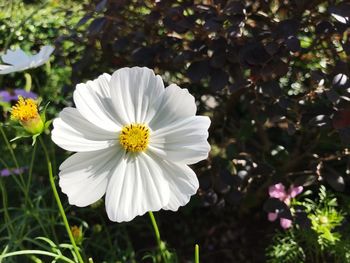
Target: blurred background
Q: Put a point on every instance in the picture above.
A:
(273, 75)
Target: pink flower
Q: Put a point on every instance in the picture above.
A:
(272, 216)
(285, 223)
(278, 191)
(294, 191)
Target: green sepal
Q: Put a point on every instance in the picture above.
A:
(47, 124)
(43, 117)
(20, 137)
(34, 138)
(43, 112)
(20, 131)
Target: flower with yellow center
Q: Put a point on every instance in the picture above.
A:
(26, 113)
(134, 141)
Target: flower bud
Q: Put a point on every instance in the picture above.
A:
(26, 113)
(77, 234)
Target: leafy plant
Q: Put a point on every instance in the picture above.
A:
(285, 248)
(322, 241)
(324, 218)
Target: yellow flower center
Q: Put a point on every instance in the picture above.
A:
(24, 110)
(134, 137)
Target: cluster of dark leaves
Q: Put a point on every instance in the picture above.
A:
(273, 76)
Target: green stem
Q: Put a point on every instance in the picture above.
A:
(13, 176)
(155, 227)
(157, 234)
(28, 85)
(36, 252)
(7, 218)
(9, 146)
(58, 201)
(27, 200)
(30, 172)
(196, 253)
(20, 182)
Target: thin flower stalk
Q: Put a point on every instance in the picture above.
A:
(59, 203)
(196, 253)
(160, 243)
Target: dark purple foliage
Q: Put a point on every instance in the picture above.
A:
(277, 70)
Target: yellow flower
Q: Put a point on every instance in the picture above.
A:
(26, 113)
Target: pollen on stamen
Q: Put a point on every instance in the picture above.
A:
(134, 137)
(24, 110)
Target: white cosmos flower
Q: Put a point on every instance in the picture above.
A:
(18, 60)
(134, 141)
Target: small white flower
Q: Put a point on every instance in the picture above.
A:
(18, 60)
(134, 141)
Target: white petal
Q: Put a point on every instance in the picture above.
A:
(43, 56)
(183, 183)
(73, 132)
(184, 141)
(341, 19)
(175, 104)
(93, 101)
(5, 69)
(16, 57)
(134, 91)
(136, 186)
(84, 176)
